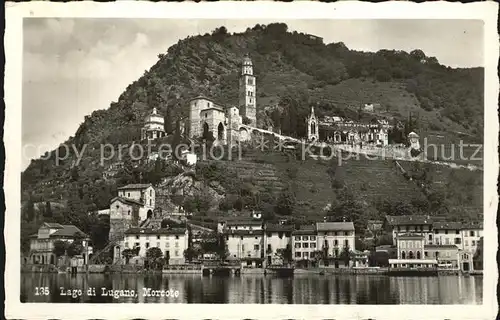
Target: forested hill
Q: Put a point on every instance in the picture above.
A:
(294, 71)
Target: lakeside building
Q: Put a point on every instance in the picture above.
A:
(277, 238)
(305, 246)
(246, 246)
(172, 243)
(454, 245)
(333, 238)
(416, 224)
(42, 243)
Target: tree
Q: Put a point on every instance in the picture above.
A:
(345, 255)
(128, 254)
(190, 253)
(285, 203)
(168, 121)
(176, 140)
(221, 247)
(246, 121)
(30, 210)
(59, 248)
(285, 254)
(153, 256)
(75, 248)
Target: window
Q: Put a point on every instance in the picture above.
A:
(167, 244)
(403, 244)
(147, 245)
(313, 238)
(243, 248)
(241, 237)
(177, 244)
(249, 81)
(128, 194)
(176, 237)
(445, 231)
(297, 238)
(150, 202)
(255, 238)
(157, 244)
(305, 238)
(129, 212)
(126, 244)
(335, 242)
(297, 254)
(346, 243)
(473, 242)
(472, 233)
(407, 228)
(466, 242)
(430, 237)
(335, 233)
(256, 247)
(458, 241)
(346, 233)
(136, 244)
(176, 253)
(298, 245)
(313, 244)
(305, 245)
(150, 193)
(426, 254)
(137, 237)
(457, 231)
(447, 241)
(158, 237)
(306, 254)
(269, 247)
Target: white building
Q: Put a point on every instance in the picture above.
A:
(42, 243)
(154, 126)
(245, 245)
(410, 246)
(172, 242)
(333, 237)
(415, 224)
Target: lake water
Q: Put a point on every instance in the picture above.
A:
(301, 289)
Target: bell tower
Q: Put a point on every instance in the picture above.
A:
(247, 94)
(312, 126)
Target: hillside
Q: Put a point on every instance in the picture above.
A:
(294, 71)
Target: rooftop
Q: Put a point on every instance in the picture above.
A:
(447, 225)
(127, 201)
(161, 231)
(279, 227)
(334, 226)
(136, 186)
(437, 246)
(64, 231)
(244, 232)
(410, 236)
(305, 230)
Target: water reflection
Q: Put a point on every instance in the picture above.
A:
(302, 289)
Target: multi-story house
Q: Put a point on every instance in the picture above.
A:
(172, 243)
(240, 223)
(448, 256)
(143, 193)
(42, 243)
(304, 245)
(277, 243)
(415, 224)
(448, 233)
(334, 237)
(410, 246)
(246, 245)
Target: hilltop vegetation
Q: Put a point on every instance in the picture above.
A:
(294, 72)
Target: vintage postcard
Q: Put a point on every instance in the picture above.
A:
(251, 160)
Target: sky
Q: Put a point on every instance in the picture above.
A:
(72, 67)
